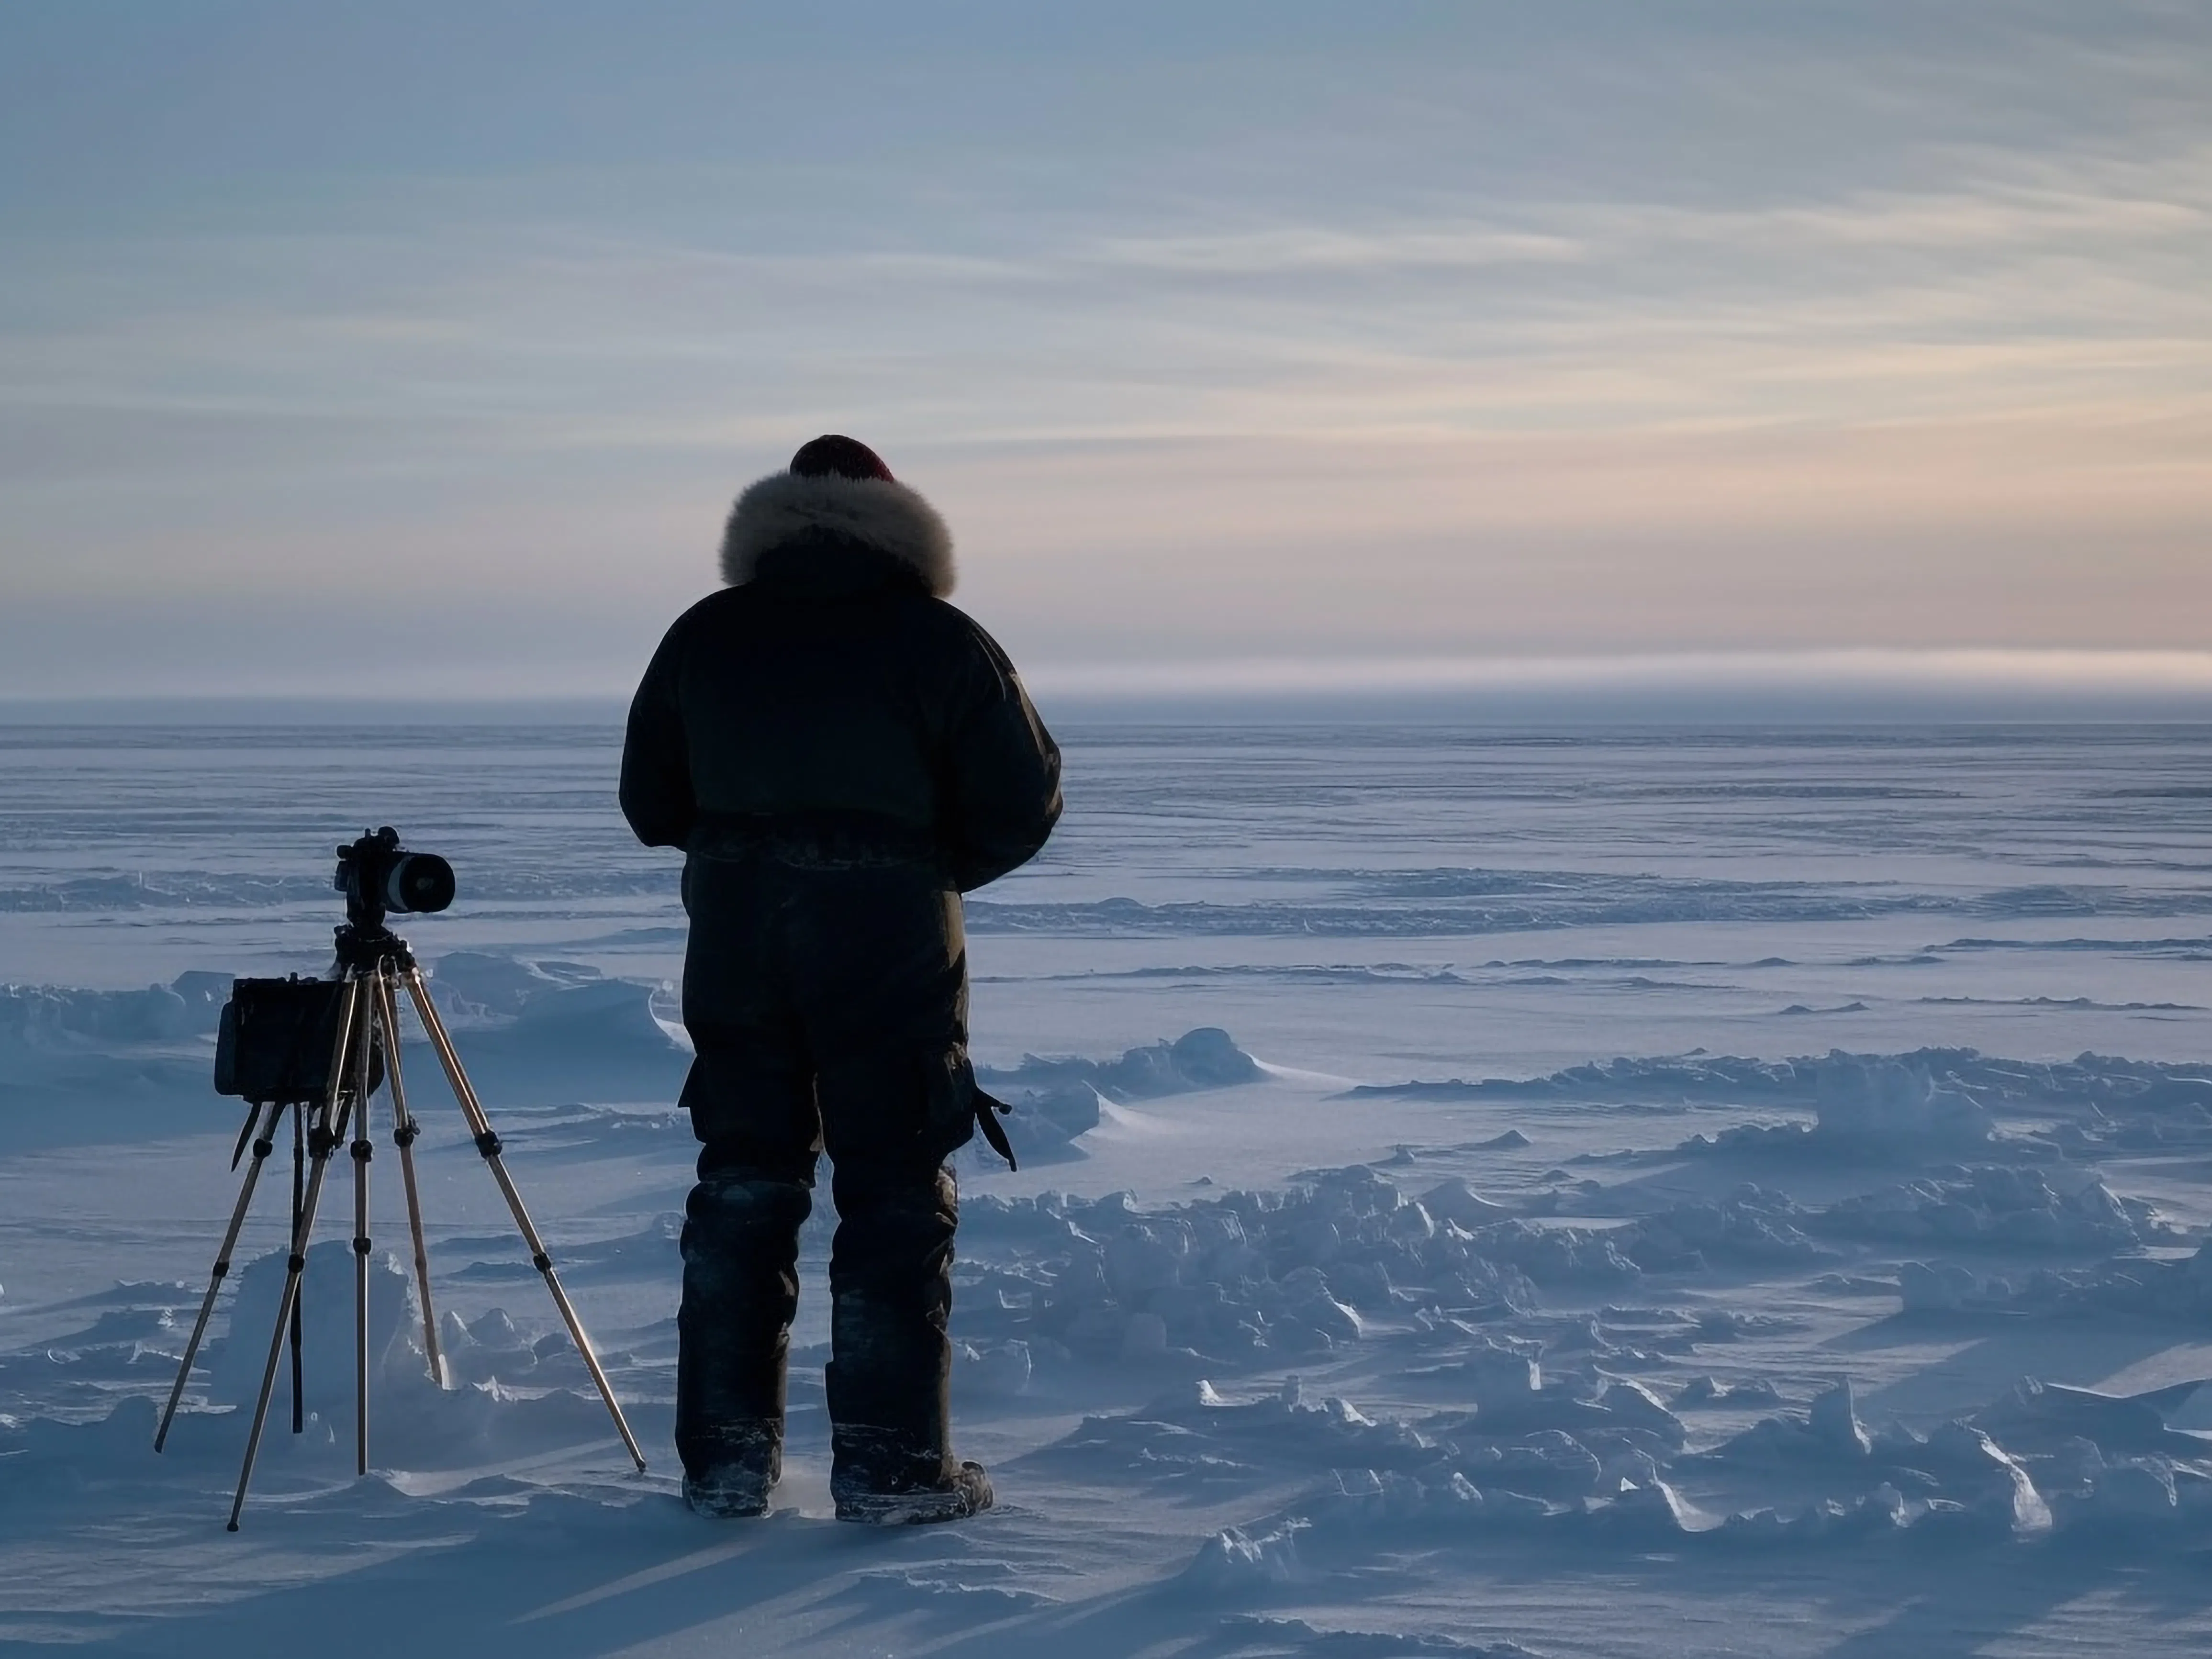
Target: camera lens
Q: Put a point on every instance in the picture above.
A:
(418, 882)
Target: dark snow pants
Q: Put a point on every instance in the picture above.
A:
(827, 1004)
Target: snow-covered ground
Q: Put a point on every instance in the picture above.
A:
(1633, 1192)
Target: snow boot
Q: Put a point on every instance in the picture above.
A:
(888, 1381)
(733, 1483)
(877, 1480)
(966, 1492)
(740, 1288)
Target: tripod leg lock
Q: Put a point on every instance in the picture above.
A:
(488, 1144)
(542, 1261)
(404, 1135)
(295, 1262)
(362, 1247)
(363, 1150)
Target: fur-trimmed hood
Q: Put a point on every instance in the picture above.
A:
(889, 518)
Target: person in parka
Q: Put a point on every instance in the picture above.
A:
(841, 753)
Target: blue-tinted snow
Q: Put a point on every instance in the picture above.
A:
(1759, 1173)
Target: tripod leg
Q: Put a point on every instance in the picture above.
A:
(329, 1130)
(488, 1145)
(299, 1199)
(404, 1131)
(362, 1149)
(263, 1145)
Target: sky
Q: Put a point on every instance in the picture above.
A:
(418, 349)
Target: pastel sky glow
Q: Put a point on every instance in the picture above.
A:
(1242, 343)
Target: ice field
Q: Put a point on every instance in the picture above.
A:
(1644, 1192)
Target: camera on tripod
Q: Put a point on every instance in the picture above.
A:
(322, 1049)
(377, 875)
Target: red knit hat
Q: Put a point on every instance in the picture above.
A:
(847, 458)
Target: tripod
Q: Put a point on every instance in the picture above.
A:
(373, 964)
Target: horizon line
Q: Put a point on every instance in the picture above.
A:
(1834, 685)
(2155, 670)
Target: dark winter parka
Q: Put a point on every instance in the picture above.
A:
(828, 689)
(840, 752)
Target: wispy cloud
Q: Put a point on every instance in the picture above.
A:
(1826, 326)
